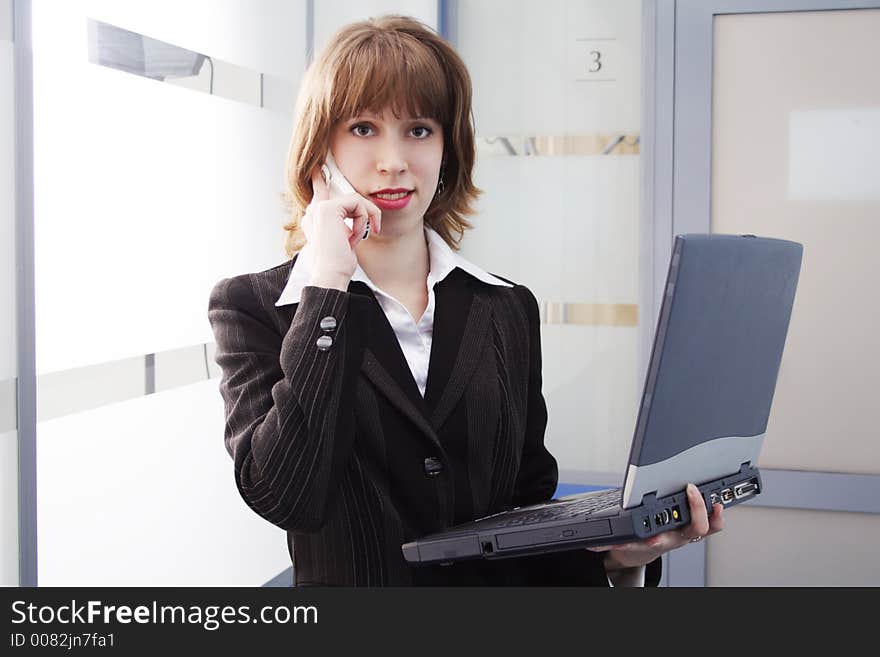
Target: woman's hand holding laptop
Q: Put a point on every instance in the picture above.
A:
(640, 553)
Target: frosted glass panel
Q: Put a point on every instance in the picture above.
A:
(330, 15)
(799, 132)
(141, 493)
(579, 248)
(552, 67)
(516, 231)
(782, 547)
(6, 19)
(8, 364)
(146, 195)
(578, 212)
(556, 88)
(263, 35)
(590, 379)
(124, 50)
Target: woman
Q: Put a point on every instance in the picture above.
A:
(378, 386)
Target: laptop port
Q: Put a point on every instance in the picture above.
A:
(487, 547)
(745, 489)
(727, 495)
(676, 514)
(662, 518)
(646, 523)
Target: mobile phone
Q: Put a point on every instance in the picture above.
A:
(336, 182)
(339, 186)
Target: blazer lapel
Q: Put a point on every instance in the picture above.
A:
(393, 390)
(462, 320)
(386, 366)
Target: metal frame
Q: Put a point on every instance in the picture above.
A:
(676, 198)
(658, 75)
(447, 20)
(24, 289)
(310, 31)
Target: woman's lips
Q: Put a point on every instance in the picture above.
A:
(386, 204)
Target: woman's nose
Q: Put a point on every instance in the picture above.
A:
(391, 156)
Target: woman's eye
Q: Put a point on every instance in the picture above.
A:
(421, 131)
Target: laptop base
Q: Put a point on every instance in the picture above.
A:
(487, 538)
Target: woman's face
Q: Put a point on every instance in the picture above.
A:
(378, 152)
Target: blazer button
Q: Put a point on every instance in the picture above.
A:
(433, 466)
(328, 323)
(324, 342)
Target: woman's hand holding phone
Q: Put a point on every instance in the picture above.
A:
(331, 242)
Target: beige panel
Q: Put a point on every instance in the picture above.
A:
(619, 144)
(769, 69)
(591, 314)
(784, 547)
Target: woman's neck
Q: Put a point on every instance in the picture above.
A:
(394, 263)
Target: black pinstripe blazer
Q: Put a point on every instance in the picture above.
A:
(332, 445)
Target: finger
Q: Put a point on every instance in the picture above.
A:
(699, 525)
(358, 208)
(320, 191)
(358, 225)
(716, 522)
(606, 548)
(375, 215)
(665, 541)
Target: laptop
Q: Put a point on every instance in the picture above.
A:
(702, 419)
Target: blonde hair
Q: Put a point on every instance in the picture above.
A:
(391, 61)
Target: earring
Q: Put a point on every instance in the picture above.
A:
(441, 185)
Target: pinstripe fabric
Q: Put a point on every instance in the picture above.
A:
(331, 445)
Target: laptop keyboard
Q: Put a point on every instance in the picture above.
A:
(561, 511)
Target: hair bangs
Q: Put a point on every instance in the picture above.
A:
(386, 72)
